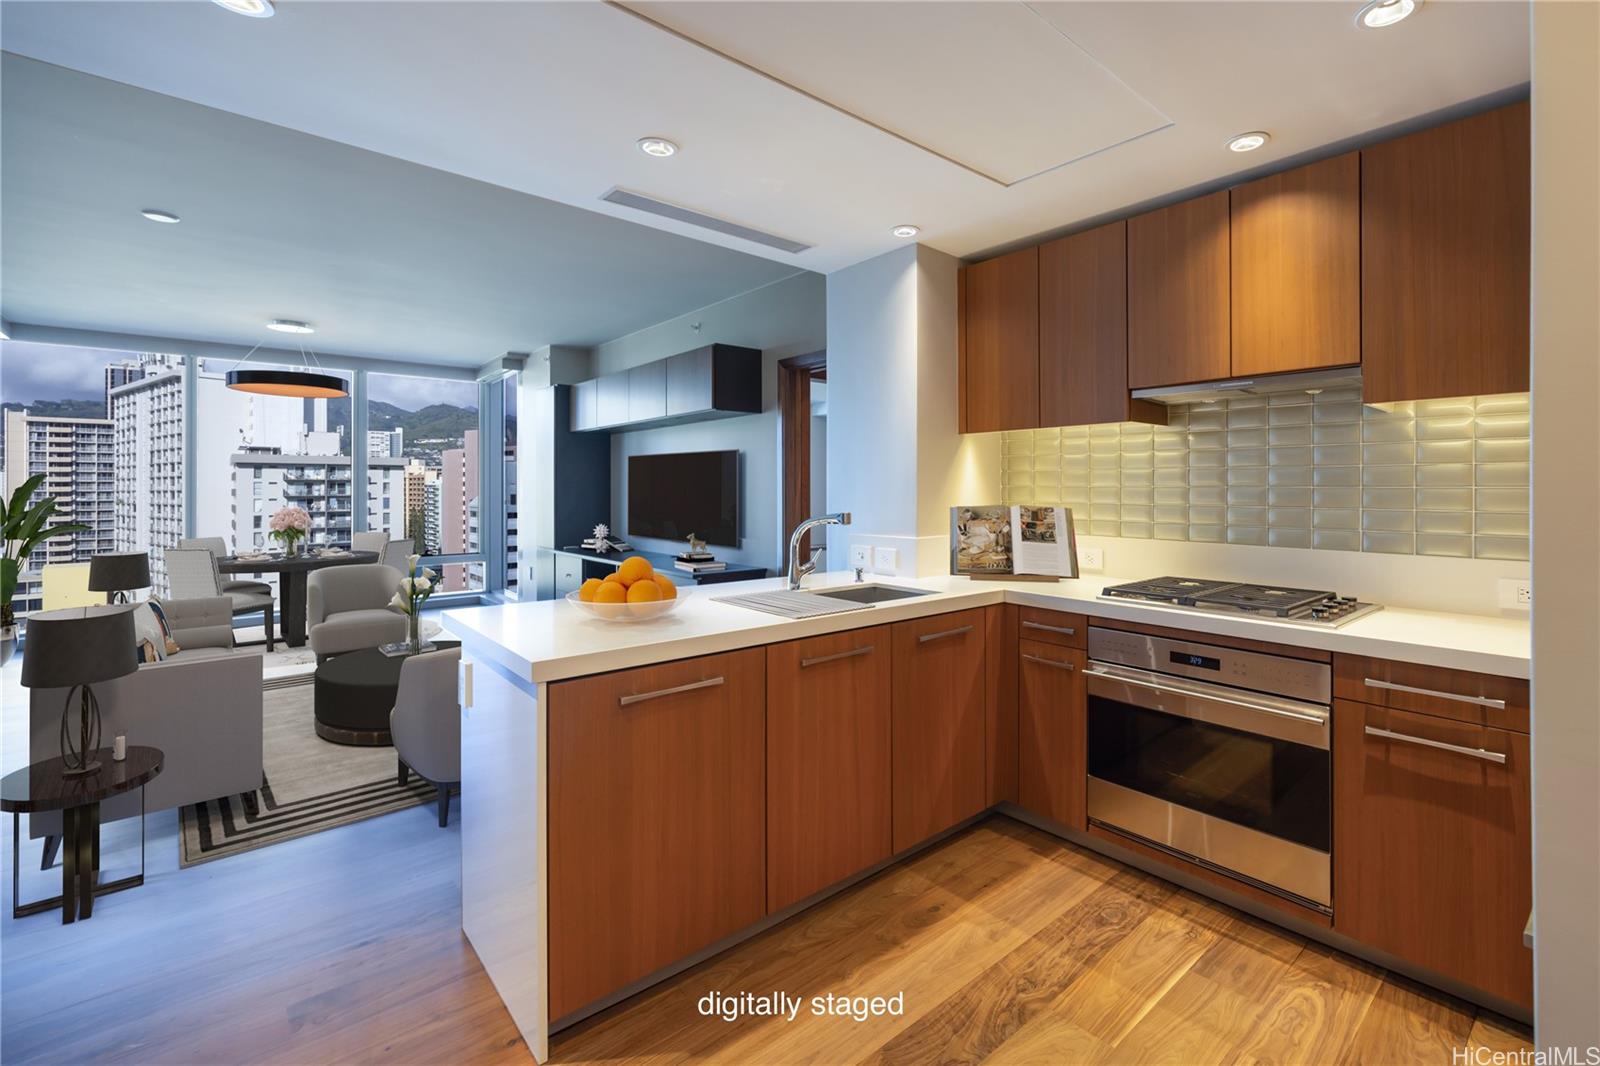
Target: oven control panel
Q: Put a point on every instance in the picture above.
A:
(1278, 675)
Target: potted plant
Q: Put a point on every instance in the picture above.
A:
(288, 526)
(414, 590)
(22, 527)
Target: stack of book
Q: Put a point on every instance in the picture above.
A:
(699, 566)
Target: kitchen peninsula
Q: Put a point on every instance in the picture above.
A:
(641, 796)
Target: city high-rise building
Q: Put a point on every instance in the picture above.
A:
(414, 522)
(386, 443)
(459, 481)
(266, 479)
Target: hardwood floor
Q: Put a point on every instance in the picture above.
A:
(1009, 946)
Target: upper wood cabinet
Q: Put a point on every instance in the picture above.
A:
(1444, 260)
(1433, 842)
(999, 343)
(938, 715)
(828, 766)
(1178, 277)
(1296, 268)
(655, 824)
(1083, 331)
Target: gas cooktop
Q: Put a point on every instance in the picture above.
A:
(1268, 602)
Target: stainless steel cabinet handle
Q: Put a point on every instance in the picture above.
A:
(1057, 663)
(865, 649)
(956, 632)
(1319, 717)
(1459, 749)
(1064, 630)
(710, 682)
(1481, 701)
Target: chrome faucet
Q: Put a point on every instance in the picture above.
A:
(797, 569)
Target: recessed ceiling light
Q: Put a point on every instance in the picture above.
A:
(256, 9)
(1381, 13)
(659, 147)
(1248, 142)
(158, 216)
(905, 231)
(289, 325)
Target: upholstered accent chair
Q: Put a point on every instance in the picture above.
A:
(347, 608)
(426, 723)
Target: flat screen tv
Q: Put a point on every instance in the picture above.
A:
(672, 496)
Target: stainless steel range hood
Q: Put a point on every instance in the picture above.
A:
(1234, 388)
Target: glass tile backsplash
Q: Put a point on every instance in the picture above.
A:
(1432, 477)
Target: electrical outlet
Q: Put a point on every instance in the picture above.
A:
(1092, 560)
(885, 560)
(860, 555)
(1516, 593)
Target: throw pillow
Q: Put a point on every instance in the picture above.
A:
(147, 631)
(166, 627)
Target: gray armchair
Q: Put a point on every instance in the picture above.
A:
(426, 723)
(219, 550)
(192, 574)
(347, 608)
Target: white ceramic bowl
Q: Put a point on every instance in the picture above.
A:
(630, 612)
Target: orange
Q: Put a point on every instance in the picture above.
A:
(635, 568)
(615, 578)
(590, 587)
(611, 592)
(669, 590)
(644, 592)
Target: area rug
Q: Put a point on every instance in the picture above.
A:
(308, 785)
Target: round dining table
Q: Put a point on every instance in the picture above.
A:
(291, 571)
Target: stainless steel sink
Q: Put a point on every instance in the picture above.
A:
(868, 593)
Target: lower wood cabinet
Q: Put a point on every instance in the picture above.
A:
(938, 713)
(1051, 764)
(827, 761)
(1433, 843)
(655, 822)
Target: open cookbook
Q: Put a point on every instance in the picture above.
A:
(995, 540)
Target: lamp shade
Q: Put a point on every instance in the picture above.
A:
(78, 646)
(119, 572)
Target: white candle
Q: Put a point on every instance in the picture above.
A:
(119, 748)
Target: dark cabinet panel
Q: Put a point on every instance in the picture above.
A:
(1178, 300)
(938, 714)
(1051, 768)
(717, 381)
(999, 341)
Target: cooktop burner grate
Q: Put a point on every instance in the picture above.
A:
(1265, 599)
(1238, 597)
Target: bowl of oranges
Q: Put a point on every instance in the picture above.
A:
(633, 592)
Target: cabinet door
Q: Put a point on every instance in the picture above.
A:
(655, 825)
(1000, 703)
(827, 761)
(647, 391)
(1000, 343)
(1432, 845)
(1083, 331)
(938, 712)
(585, 405)
(1296, 267)
(611, 402)
(1178, 319)
(689, 378)
(1051, 767)
(1444, 260)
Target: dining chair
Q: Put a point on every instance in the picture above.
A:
(397, 553)
(426, 723)
(219, 550)
(369, 541)
(192, 575)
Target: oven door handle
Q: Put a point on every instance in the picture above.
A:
(1200, 691)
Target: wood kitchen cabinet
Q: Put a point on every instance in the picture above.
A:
(828, 767)
(1083, 331)
(1051, 763)
(998, 322)
(938, 724)
(1295, 261)
(1444, 260)
(1432, 846)
(655, 821)
(1000, 703)
(1178, 296)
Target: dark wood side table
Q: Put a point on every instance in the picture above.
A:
(43, 787)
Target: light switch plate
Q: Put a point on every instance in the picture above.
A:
(1092, 560)
(885, 560)
(860, 555)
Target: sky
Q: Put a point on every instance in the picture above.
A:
(31, 372)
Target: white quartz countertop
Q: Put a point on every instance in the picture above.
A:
(550, 640)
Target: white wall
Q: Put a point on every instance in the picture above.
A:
(1566, 514)
(783, 319)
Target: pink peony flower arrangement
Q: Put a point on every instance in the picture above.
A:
(289, 524)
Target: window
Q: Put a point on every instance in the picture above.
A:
(508, 484)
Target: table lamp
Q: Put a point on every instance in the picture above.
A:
(73, 649)
(119, 573)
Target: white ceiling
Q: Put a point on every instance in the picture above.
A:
(548, 98)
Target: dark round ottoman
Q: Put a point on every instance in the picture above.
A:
(355, 693)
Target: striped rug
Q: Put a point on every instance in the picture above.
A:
(308, 785)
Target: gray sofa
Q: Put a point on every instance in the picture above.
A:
(347, 608)
(201, 707)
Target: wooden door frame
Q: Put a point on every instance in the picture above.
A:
(795, 375)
